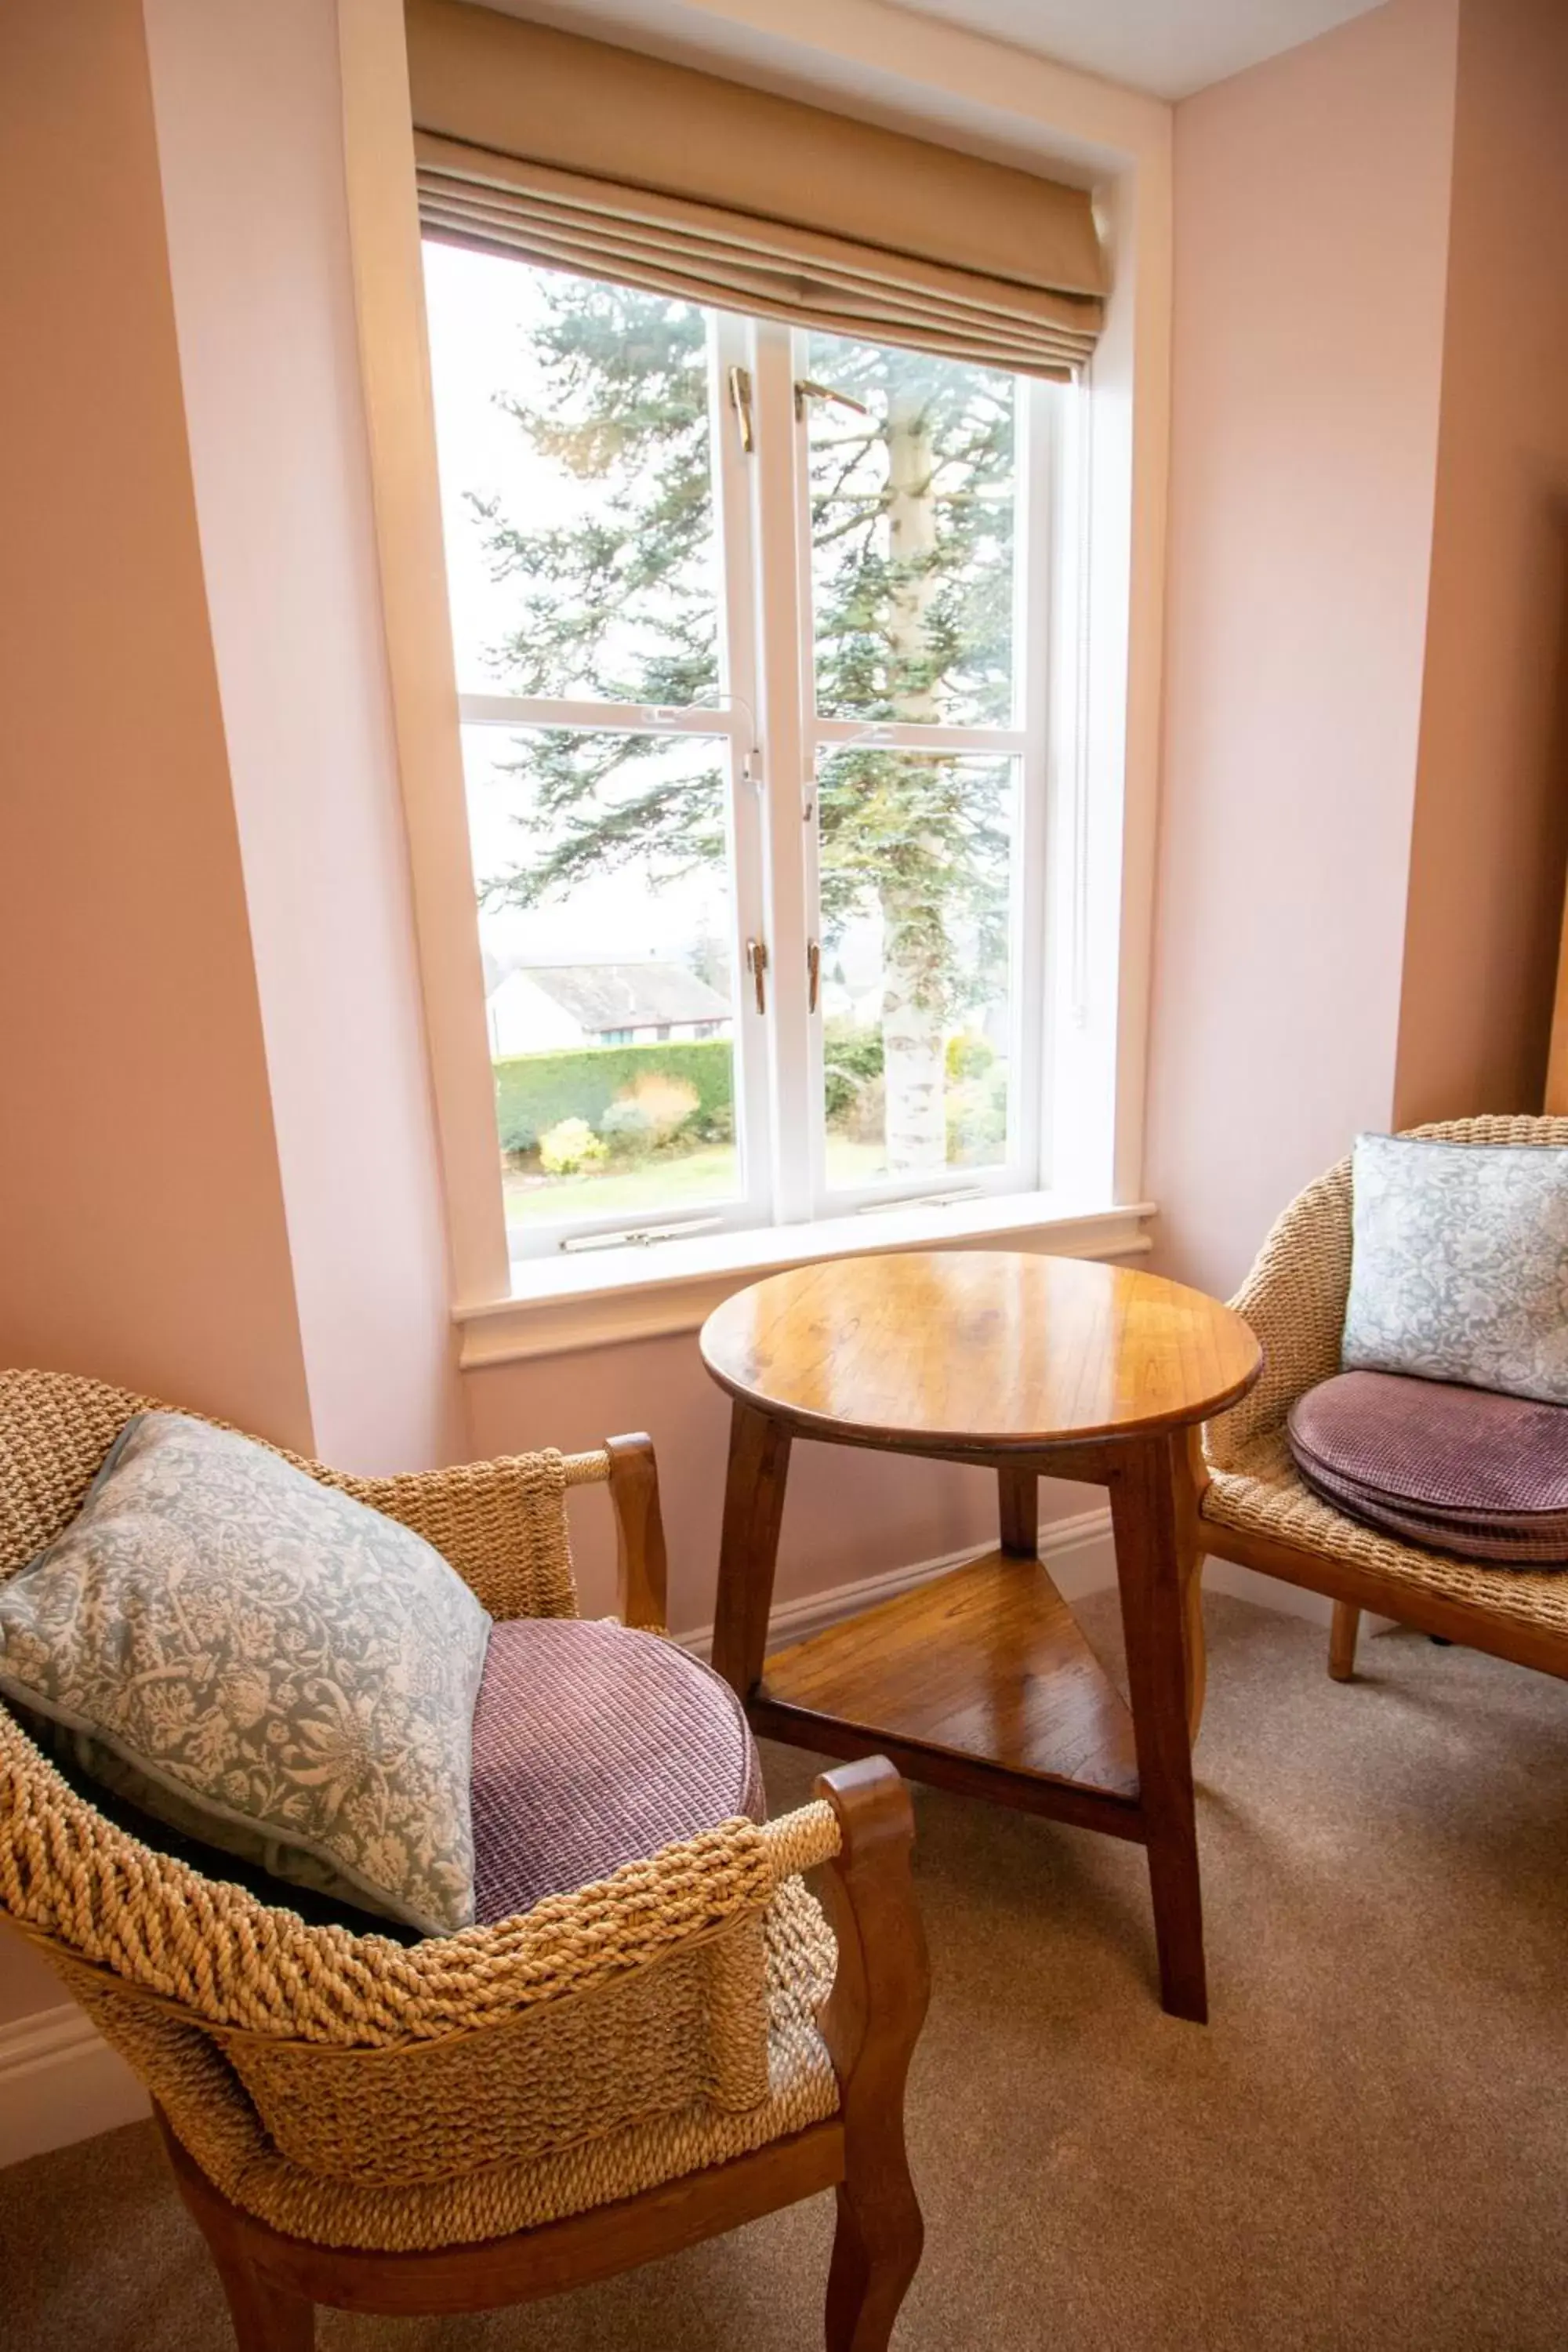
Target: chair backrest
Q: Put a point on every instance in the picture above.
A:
(55, 1430)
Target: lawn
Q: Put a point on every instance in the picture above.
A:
(675, 1180)
(679, 1182)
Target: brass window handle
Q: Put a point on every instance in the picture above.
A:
(741, 402)
(757, 965)
(812, 973)
(805, 389)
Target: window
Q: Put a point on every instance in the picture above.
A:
(751, 642)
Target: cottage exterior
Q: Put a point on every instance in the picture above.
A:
(552, 1008)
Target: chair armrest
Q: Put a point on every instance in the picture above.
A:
(859, 1831)
(874, 2014)
(641, 1562)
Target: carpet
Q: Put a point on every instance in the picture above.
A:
(1368, 2146)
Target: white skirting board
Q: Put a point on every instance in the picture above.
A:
(1077, 1550)
(59, 2079)
(60, 2082)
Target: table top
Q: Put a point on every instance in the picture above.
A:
(981, 1347)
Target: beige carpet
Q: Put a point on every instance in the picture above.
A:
(1368, 2146)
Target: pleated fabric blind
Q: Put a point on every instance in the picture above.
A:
(581, 156)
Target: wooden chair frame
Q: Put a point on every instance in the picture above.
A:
(871, 2024)
(1354, 1589)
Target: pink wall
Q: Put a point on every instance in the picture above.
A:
(140, 1210)
(847, 1514)
(1492, 806)
(1311, 203)
(249, 107)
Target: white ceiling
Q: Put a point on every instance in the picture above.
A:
(1168, 47)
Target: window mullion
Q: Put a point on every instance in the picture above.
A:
(741, 692)
(783, 654)
(1034, 638)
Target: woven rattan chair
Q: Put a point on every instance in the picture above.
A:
(477, 2120)
(1254, 1507)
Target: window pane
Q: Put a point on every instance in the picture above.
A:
(913, 537)
(916, 857)
(604, 918)
(571, 426)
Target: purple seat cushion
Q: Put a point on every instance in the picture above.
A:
(1457, 1469)
(595, 1746)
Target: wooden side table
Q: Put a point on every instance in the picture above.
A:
(980, 1680)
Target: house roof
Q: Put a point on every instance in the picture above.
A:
(628, 995)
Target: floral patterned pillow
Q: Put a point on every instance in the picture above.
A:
(262, 1662)
(1459, 1263)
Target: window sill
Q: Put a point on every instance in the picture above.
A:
(570, 1303)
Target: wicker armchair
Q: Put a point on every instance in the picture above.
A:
(1256, 1511)
(475, 2120)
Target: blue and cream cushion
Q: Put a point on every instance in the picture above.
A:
(1459, 1263)
(262, 1662)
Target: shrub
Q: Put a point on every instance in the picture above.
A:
(667, 1103)
(535, 1091)
(865, 1119)
(852, 1060)
(976, 1114)
(968, 1056)
(627, 1128)
(570, 1146)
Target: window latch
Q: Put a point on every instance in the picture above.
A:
(741, 402)
(757, 965)
(813, 972)
(806, 389)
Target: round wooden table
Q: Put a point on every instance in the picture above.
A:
(980, 1679)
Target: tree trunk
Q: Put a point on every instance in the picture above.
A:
(913, 1078)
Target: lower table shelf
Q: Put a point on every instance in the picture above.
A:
(980, 1674)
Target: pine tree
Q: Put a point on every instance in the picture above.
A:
(913, 588)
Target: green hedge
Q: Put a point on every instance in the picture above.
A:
(534, 1090)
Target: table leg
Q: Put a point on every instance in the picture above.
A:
(748, 1547)
(1191, 1471)
(1018, 1496)
(1151, 1536)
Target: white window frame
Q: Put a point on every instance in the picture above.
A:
(1025, 742)
(1105, 602)
(767, 720)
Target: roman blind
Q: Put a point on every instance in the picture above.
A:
(579, 155)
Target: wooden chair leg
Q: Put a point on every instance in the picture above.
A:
(1342, 1641)
(871, 2024)
(266, 2317)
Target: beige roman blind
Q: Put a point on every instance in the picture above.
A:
(577, 154)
